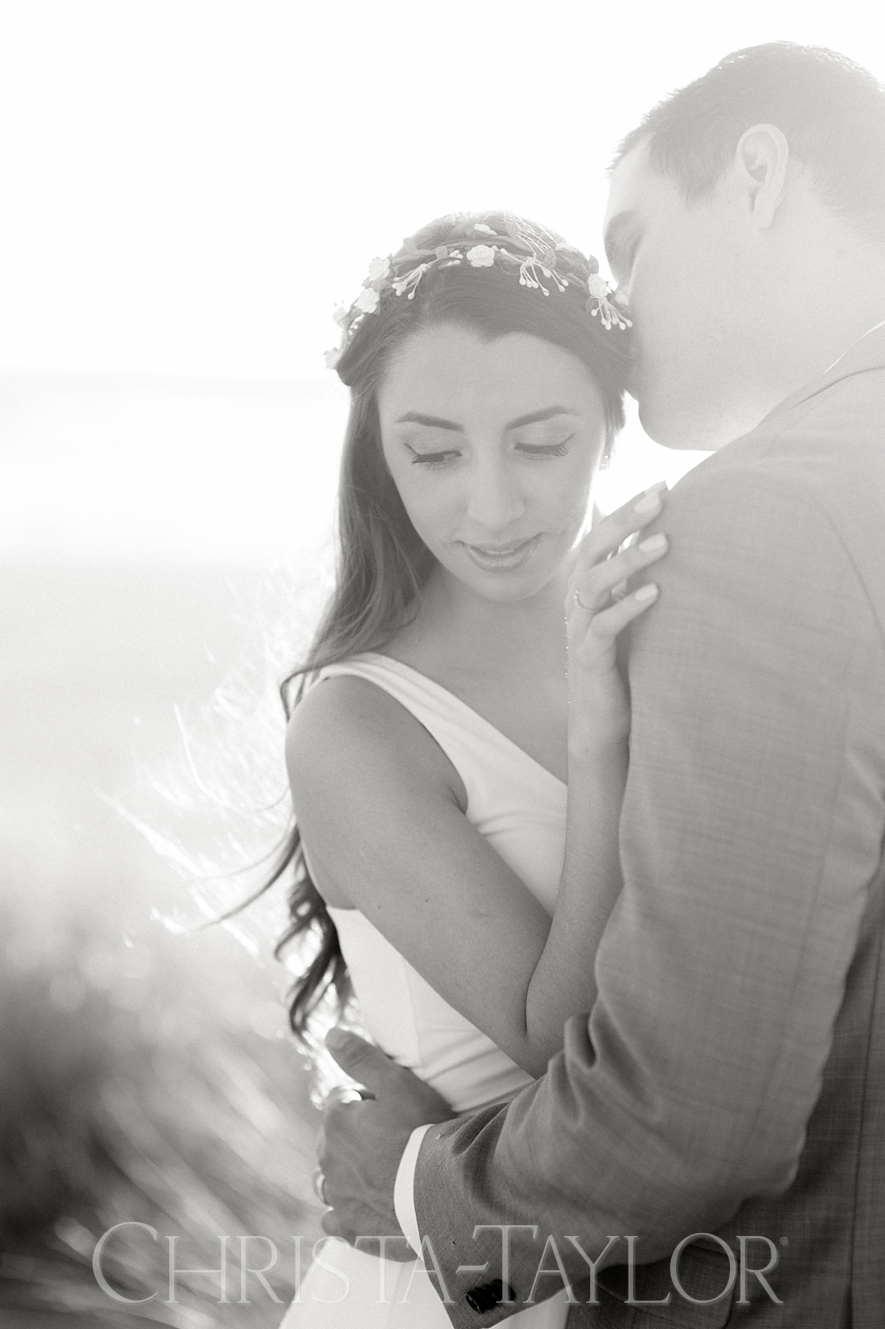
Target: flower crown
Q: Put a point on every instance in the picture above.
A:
(541, 261)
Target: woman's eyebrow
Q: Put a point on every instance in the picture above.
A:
(535, 416)
(437, 422)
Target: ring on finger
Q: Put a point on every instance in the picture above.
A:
(342, 1093)
(318, 1181)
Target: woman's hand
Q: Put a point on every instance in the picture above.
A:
(598, 608)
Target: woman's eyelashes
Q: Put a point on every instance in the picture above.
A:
(545, 449)
(533, 451)
(433, 459)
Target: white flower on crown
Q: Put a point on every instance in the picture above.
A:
(367, 300)
(406, 285)
(536, 269)
(481, 256)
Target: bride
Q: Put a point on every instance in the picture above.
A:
(451, 714)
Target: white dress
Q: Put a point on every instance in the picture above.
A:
(519, 807)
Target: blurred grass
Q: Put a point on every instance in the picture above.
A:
(145, 1076)
(133, 1088)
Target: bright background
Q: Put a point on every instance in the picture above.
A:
(191, 185)
(187, 188)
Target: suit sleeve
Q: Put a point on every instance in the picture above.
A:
(751, 830)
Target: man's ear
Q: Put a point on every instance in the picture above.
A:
(761, 160)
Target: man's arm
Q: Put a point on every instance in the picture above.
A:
(751, 829)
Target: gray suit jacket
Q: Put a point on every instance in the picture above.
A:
(730, 1080)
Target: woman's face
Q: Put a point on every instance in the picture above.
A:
(492, 446)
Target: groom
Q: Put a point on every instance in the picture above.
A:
(709, 1148)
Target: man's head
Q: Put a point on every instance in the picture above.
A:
(746, 226)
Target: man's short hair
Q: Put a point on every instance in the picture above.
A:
(831, 110)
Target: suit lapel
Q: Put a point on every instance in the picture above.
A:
(866, 354)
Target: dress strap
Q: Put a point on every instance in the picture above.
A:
(483, 756)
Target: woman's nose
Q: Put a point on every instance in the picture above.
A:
(495, 497)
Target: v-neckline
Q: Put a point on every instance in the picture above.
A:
(465, 706)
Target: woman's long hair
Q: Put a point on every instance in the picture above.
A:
(382, 563)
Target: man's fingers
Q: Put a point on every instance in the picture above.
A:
(384, 1078)
(361, 1060)
(340, 1121)
(345, 1093)
(334, 1224)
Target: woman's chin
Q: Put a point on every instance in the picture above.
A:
(506, 585)
(506, 575)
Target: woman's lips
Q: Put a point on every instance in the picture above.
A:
(501, 558)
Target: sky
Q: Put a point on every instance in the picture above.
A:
(192, 185)
(189, 187)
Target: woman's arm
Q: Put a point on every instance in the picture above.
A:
(597, 610)
(381, 809)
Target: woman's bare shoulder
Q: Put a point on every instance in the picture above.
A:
(362, 770)
(347, 728)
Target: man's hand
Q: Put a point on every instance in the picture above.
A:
(362, 1142)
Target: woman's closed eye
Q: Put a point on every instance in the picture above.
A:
(433, 459)
(533, 451)
(555, 448)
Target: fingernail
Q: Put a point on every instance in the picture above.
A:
(646, 592)
(653, 544)
(336, 1038)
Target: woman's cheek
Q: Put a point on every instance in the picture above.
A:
(428, 516)
(572, 498)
